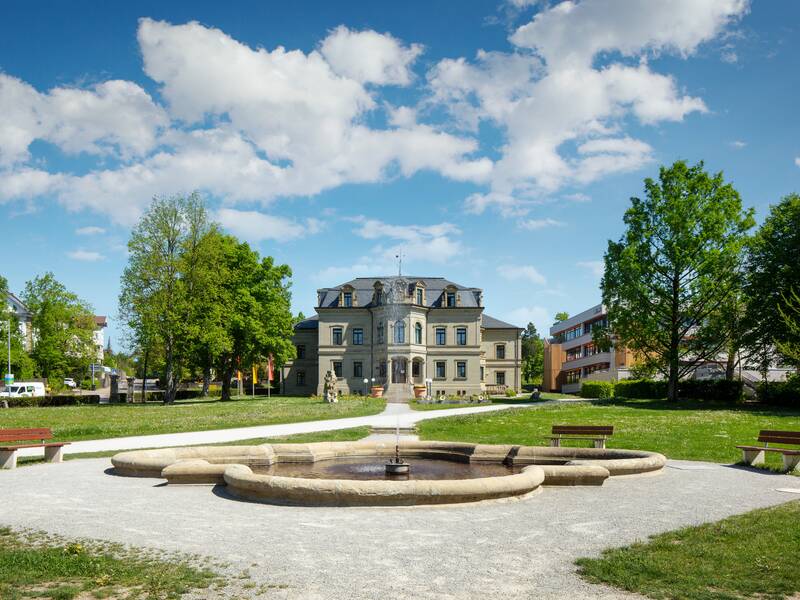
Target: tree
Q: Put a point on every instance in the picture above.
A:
(789, 345)
(63, 327)
(561, 316)
(257, 306)
(772, 276)
(164, 280)
(532, 355)
(675, 266)
(21, 364)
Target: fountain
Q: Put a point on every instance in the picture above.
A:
(397, 466)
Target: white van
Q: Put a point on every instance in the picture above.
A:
(24, 389)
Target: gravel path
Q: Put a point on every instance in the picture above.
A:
(510, 549)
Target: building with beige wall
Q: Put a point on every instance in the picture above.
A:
(401, 331)
(571, 356)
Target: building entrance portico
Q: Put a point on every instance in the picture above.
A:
(399, 370)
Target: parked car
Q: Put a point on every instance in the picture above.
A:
(70, 382)
(25, 389)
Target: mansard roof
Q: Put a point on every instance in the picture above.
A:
(488, 322)
(364, 289)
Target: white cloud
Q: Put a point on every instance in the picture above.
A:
(85, 255)
(255, 226)
(369, 57)
(420, 243)
(90, 230)
(536, 224)
(538, 315)
(524, 272)
(551, 95)
(797, 161)
(595, 267)
(738, 144)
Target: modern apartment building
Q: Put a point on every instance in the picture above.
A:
(397, 332)
(571, 357)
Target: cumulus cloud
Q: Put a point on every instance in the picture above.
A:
(738, 144)
(576, 75)
(255, 226)
(538, 315)
(90, 230)
(85, 255)
(797, 161)
(370, 57)
(536, 224)
(521, 272)
(437, 243)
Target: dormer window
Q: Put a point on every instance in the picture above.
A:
(450, 299)
(347, 299)
(420, 299)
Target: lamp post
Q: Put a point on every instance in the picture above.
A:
(9, 378)
(366, 391)
(429, 387)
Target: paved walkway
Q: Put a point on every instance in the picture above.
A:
(510, 550)
(390, 417)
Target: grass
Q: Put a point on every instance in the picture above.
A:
(682, 430)
(37, 565)
(337, 435)
(74, 423)
(754, 555)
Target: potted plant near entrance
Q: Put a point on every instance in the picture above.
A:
(376, 391)
(419, 390)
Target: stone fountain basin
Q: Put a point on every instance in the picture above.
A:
(231, 466)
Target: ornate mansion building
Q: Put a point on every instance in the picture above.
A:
(397, 332)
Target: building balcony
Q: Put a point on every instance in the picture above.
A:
(585, 361)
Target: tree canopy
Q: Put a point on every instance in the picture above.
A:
(532, 355)
(675, 266)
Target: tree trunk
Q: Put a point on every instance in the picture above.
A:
(227, 374)
(672, 382)
(169, 377)
(730, 365)
(144, 377)
(206, 379)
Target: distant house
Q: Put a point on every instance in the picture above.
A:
(98, 336)
(18, 310)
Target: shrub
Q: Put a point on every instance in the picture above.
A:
(597, 389)
(780, 392)
(511, 392)
(58, 400)
(640, 388)
(714, 390)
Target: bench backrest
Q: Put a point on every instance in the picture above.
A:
(20, 435)
(599, 430)
(770, 436)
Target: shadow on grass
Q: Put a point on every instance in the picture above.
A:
(663, 404)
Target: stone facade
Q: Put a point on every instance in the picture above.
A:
(396, 332)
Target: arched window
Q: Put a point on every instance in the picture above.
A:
(399, 332)
(418, 333)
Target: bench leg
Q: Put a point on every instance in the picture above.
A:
(599, 443)
(752, 457)
(791, 462)
(8, 459)
(54, 454)
(555, 442)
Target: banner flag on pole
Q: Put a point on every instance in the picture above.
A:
(255, 374)
(270, 376)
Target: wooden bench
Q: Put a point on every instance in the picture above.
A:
(597, 433)
(791, 456)
(53, 451)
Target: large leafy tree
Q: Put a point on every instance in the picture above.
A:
(675, 267)
(532, 354)
(772, 277)
(63, 328)
(21, 364)
(257, 306)
(166, 274)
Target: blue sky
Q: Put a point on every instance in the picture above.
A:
(495, 144)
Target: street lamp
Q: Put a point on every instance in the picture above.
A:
(366, 381)
(429, 387)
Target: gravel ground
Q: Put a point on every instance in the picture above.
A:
(506, 549)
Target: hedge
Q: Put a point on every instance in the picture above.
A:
(597, 389)
(58, 400)
(640, 388)
(780, 392)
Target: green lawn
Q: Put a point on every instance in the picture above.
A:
(337, 435)
(684, 430)
(89, 422)
(43, 566)
(754, 555)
